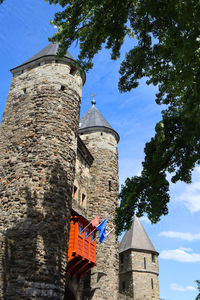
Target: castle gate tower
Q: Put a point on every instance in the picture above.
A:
(38, 141)
(138, 261)
(101, 140)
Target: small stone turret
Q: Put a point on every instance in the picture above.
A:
(101, 140)
(38, 142)
(138, 265)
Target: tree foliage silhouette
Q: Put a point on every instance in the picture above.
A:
(198, 287)
(168, 55)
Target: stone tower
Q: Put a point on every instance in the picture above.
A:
(138, 271)
(38, 142)
(101, 140)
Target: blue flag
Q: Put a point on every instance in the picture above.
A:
(102, 231)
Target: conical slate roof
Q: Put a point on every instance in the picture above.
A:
(136, 238)
(49, 52)
(93, 120)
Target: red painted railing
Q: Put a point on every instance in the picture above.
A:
(81, 247)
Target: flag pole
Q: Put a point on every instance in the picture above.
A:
(107, 233)
(110, 232)
(85, 227)
(91, 232)
(102, 230)
(96, 228)
(94, 239)
(88, 225)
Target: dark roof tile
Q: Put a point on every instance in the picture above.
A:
(92, 120)
(136, 238)
(50, 50)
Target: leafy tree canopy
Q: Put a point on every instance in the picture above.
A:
(168, 55)
(198, 287)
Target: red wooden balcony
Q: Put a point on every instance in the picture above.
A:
(82, 248)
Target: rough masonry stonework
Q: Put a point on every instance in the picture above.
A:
(38, 142)
(138, 265)
(50, 164)
(103, 200)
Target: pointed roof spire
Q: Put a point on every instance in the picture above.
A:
(136, 238)
(94, 121)
(93, 100)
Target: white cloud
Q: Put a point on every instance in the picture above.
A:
(186, 249)
(181, 255)
(191, 195)
(181, 235)
(180, 288)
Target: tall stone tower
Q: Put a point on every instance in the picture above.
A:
(38, 142)
(101, 140)
(138, 272)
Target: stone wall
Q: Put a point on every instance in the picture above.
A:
(3, 254)
(126, 276)
(38, 142)
(80, 192)
(143, 268)
(102, 200)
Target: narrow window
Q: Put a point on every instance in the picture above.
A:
(153, 258)
(122, 258)
(73, 71)
(74, 192)
(123, 285)
(145, 263)
(62, 88)
(152, 283)
(83, 199)
(24, 90)
(109, 185)
(101, 133)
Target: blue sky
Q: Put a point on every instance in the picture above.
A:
(24, 31)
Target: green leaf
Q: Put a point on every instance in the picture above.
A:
(166, 52)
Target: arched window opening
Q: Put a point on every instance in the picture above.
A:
(83, 199)
(74, 192)
(123, 285)
(122, 259)
(73, 71)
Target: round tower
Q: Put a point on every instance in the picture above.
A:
(101, 140)
(138, 265)
(38, 142)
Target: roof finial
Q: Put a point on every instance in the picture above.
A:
(93, 100)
